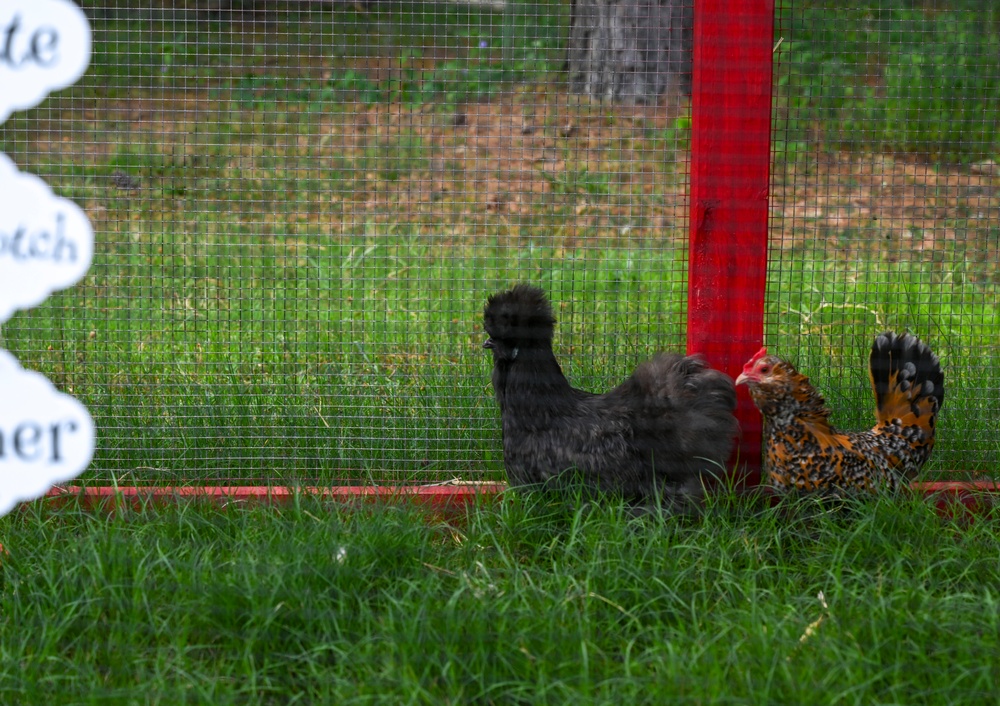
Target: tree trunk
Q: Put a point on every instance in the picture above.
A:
(631, 51)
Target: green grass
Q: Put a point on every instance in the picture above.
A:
(518, 603)
(359, 359)
(909, 77)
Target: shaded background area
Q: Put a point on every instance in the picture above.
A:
(300, 207)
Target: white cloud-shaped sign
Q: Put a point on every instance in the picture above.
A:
(46, 242)
(44, 46)
(46, 437)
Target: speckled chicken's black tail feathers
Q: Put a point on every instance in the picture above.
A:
(907, 379)
(519, 316)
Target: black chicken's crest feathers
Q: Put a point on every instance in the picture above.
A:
(907, 380)
(520, 315)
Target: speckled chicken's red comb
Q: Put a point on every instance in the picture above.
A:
(757, 356)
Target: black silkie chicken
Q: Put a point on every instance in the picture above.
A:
(650, 440)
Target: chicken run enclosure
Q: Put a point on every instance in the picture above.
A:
(300, 209)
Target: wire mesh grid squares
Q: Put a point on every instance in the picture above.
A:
(300, 208)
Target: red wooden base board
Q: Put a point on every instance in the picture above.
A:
(443, 499)
(976, 496)
(979, 497)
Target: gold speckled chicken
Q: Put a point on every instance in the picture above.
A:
(805, 452)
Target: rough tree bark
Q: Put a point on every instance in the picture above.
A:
(631, 51)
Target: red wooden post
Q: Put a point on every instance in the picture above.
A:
(730, 169)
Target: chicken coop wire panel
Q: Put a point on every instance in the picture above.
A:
(301, 207)
(886, 205)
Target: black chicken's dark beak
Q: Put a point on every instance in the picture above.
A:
(489, 343)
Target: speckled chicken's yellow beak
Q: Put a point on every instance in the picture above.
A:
(743, 378)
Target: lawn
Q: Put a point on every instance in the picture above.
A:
(516, 602)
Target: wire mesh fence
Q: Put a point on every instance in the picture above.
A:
(300, 208)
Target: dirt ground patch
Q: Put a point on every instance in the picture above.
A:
(531, 159)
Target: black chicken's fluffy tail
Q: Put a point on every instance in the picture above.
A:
(697, 424)
(908, 383)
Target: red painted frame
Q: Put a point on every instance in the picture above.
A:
(730, 175)
(444, 500)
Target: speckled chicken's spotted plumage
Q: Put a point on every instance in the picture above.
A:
(805, 452)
